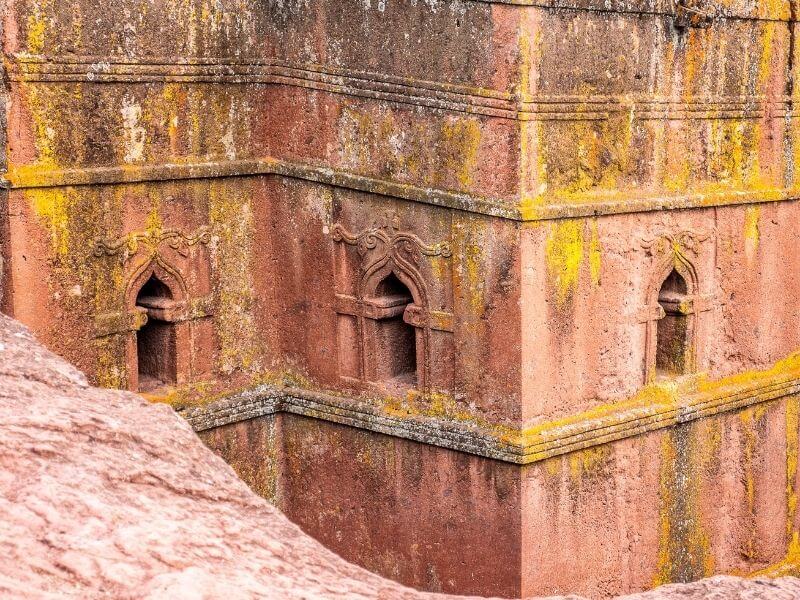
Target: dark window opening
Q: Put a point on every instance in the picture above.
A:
(672, 347)
(396, 343)
(155, 342)
(154, 289)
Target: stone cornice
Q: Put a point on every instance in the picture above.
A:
(33, 177)
(527, 210)
(657, 407)
(267, 400)
(390, 88)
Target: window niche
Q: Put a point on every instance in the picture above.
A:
(673, 356)
(391, 340)
(156, 341)
(395, 338)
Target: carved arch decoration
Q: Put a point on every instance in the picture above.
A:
(673, 252)
(152, 240)
(385, 250)
(145, 251)
(160, 268)
(144, 255)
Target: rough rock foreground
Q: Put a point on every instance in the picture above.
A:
(104, 495)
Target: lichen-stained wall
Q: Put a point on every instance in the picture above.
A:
(253, 449)
(585, 319)
(425, 91)
(484, 115)
(151, 119)
(709, 496)
(434, 519)
(120, 92)
(437, 501)
(414, 231)
(651, 509)
(650, 116)
(647, 110)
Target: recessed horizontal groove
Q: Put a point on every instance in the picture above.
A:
(399, 90)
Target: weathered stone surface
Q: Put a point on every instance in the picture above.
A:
(444, 223)
(104, 495)
(725, 588)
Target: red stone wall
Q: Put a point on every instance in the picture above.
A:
(707, 497)
(180, 523)
(712, 496)
(401, 509)
(255, 260)
(529, 176)
(434, 519)
(584, 314)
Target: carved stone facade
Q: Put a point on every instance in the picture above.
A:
(672, 263)
(506, 291)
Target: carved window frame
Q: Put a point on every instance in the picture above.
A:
(385, 249)
(671, 252)
(174, 313)
(142, 254)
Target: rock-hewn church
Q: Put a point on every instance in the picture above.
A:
(491, 297)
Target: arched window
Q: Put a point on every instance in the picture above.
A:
(156, 341)
(673, 330)
(396, 340)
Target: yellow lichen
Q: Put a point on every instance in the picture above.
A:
(792, 429)
(684, 548)
(564, 253)
(587, 461)
(232, 221)
(595, 254)
(463, 137)
(473, 275)
(52, 206)
(752, 233)
(788, 567)
(748, 429)
(37, 27)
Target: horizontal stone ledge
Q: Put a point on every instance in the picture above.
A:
(525, 210)
(657, 407)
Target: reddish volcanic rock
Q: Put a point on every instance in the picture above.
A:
(102, 494)
(105, 495)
